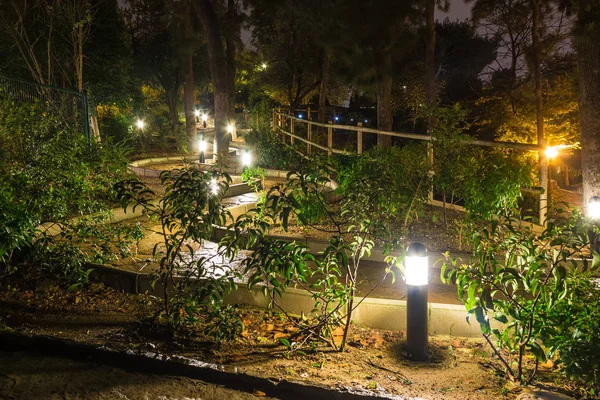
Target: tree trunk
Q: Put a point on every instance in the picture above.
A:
(230, 54)
(588, 59)
(537, 76)
(385, 118)
(171, 95)
(218, 67)
(430, 87)
(324, 86)
(189, 101)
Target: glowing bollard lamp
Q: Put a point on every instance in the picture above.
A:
(202, 148)
(593, 213)
(417, 279)
(246, 158)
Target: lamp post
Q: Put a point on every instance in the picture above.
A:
(417, 280)
(246, 158)
(593, 213)
(551, 152)
(140, 124)
(204, 119)
(201, 148)
(197, 115)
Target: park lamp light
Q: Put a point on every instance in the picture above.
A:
(140, 124)
(593, 208)
(416, 266)
(229, 128)
(246, 158)
(204, 117)
(551, 152)
(197, 113)
(202, 148)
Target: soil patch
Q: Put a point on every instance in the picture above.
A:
(374, 360)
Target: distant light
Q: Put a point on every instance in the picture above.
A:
(204, 117)
(214, 186)
(593, 208)
(551, 152)
(300, 116)
(337, 118)
(264, 65)
(197, 112)
(140, 124)
(366, 120)
(229, 128)
(351, 119)
(404, 87)
(246, 158)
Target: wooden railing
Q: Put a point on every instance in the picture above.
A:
(283, 121)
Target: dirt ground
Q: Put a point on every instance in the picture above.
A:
(374, 360)
(31, 376)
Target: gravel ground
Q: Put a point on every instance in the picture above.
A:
(30, 376)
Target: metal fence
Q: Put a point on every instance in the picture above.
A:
(71, 106)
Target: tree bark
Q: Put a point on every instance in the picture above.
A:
(324, 87)
(189, 101)
(230, 54)
(218, 67)
(430, 86)
(188, 83)
(385, 118)
(537, 76)
(588, 59)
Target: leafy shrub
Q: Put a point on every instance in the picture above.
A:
(390, 182)
(573, 329)
(49, 176)
(271, 152)
(517, 278)
(193, 287)
(492, 183)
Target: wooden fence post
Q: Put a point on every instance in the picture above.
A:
(359, 139)
(308, 114)
(274, 120)
(309, 137)
(292, 129)
(330, 137)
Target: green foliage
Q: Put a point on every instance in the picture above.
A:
(50, 175)
(516, 278)
(331, 276)
(492, 184)
(271, 152)
(573, 329)
(193, 286)
(388, 182)
(255, 176)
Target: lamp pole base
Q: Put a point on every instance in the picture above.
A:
(417, 331)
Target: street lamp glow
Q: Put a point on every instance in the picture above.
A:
(229, 128)
(337, 118)
(300, 116)
(202, 145)
(551, 152)
(593, 208)
(140, 124)
(204, 117)
(264, 65)
(416, 265)
(197, 113)
(246, 158)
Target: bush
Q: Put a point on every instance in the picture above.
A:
(271, 152)
(392, 181)
(49, 176)
(525, 283)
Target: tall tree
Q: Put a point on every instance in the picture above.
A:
(220, 32)
(587, 40)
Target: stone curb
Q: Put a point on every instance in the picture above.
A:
(160, 364)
